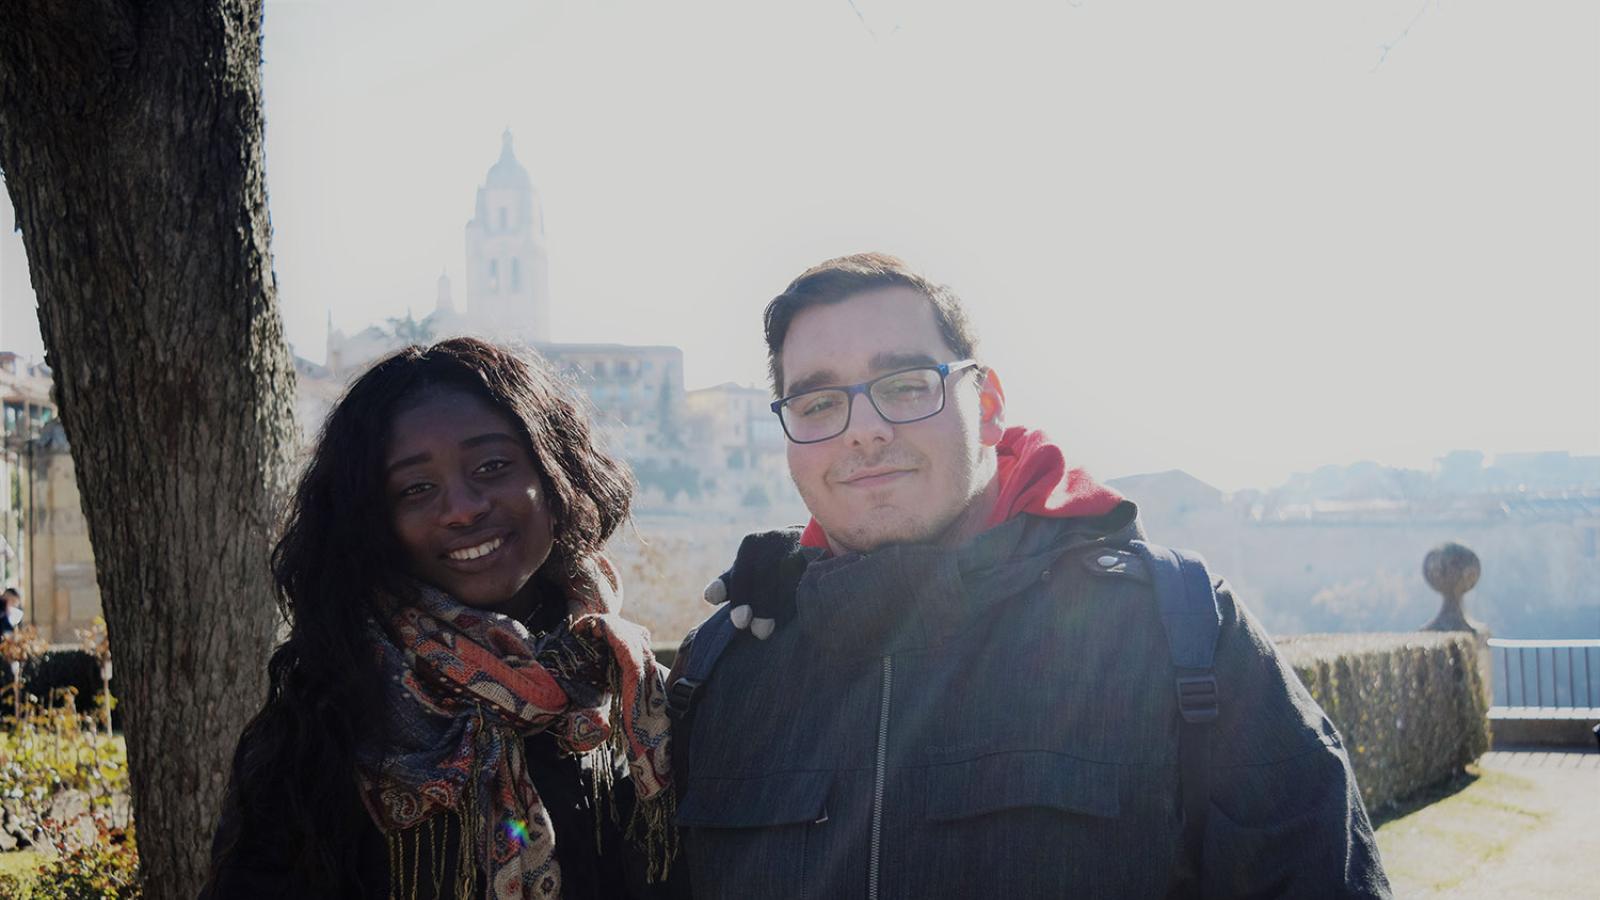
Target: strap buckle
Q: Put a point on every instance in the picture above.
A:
(681, 696)
(1197, 698)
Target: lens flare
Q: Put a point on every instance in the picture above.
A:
(517, 830)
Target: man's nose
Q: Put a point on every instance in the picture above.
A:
(464, 504)
(866, 426)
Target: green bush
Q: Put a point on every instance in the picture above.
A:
(1411, 707)
(104, 869)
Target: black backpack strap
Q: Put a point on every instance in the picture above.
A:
(761, 584)
(699, 656)
(1188, 604)
(696, 658)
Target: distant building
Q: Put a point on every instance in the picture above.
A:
(741, 449)
(25, 390)
(62, 594)
(1341, 549)
(508, 274)
(508, 278)
(44, 539)
(734, 426)
(636, 391)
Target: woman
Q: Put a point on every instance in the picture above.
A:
(457, 711)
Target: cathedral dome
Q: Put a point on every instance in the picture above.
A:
(507, 172)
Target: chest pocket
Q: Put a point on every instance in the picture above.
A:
(1019, 780)
(1027, 823)
(747, 836)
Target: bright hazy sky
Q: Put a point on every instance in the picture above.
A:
(1242, 239)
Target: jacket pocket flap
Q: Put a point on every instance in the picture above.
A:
(1020, 779)
(782, 798)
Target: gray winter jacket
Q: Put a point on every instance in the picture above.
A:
(999, 721)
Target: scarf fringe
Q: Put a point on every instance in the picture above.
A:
(651, 828)
(432, 835)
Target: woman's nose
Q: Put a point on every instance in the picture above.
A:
(464, 504)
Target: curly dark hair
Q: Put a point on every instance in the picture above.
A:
(338, 554)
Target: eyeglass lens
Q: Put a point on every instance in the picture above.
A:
(899, 398)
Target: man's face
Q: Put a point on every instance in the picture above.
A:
(878, 483)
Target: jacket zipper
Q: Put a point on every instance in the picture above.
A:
(879, 775)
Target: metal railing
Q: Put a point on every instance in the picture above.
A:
(1549, 678)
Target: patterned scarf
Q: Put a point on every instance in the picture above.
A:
(466, 686)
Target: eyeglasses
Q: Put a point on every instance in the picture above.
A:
(909, 395)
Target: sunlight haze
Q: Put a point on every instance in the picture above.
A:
(1239, 239)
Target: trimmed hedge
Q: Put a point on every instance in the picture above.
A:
(58, 668)
(1411, 707)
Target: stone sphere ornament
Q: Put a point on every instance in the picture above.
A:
(1452, 570)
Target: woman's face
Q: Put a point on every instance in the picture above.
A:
(466, 501)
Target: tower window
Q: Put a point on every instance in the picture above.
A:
(502, 218)
(494, 276)
(516, 275)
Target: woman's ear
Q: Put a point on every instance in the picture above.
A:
(991, 409)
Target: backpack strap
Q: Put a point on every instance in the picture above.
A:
(699, 656)
(1188, 605)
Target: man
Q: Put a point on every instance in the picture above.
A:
(12, 616)
(957, 682)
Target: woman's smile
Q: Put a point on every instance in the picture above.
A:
(484, 553)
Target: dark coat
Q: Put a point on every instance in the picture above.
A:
(597, 861)
(1000, 721)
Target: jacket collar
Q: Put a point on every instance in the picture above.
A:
(916, 596)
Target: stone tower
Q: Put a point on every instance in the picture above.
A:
(508, 282)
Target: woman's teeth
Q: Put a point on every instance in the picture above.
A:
(483, 549)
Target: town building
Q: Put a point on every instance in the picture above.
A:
(44, 540)
(637, 391)
(507, 278)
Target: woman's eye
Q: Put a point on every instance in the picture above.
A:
(415, 490)
(494, 465)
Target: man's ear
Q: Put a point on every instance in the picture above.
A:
(991, 409)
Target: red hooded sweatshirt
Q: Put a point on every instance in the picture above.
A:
(1034, 479)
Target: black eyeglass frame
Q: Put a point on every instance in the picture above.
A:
(851, 390)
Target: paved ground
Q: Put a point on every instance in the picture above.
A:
(1527, 827)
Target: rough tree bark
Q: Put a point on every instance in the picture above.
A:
(131, 143)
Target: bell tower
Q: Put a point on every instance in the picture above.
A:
(508, 280)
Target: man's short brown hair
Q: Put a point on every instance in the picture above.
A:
(839, 279)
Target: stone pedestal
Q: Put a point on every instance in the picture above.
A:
(1452, 570)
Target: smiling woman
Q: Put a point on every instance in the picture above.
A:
(457, 696)
(469, 510)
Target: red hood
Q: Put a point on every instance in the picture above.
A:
(1034, 479)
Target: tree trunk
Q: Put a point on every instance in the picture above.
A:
(131, 142)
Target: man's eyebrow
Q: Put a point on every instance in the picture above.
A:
(493, 437)
(819, 379)
(888, 361)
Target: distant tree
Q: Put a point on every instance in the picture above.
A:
(671, 479)
(410, 330)
(666, 415)
(131, 142)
